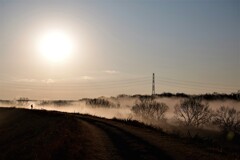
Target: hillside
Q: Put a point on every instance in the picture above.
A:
(39, 134)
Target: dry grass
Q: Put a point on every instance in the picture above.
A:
(39, 134)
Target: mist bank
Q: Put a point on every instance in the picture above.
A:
(120, 106)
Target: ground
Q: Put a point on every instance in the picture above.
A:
(39, 134)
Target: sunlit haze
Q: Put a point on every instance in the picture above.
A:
(55, 45)
(57, 49)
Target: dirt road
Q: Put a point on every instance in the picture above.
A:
(118, 143)
(122, 141)
(32, 134)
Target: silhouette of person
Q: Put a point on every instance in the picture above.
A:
(31, 106)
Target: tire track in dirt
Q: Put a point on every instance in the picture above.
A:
(132, 142)
(97, 143)
(120, 143)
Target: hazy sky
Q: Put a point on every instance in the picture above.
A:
(192, 46)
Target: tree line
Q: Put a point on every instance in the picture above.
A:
(207, 96)
(191, 113)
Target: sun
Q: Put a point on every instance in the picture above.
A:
(55, 45)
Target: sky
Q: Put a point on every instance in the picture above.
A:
(192, 46)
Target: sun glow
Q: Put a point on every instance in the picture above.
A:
(55, 45)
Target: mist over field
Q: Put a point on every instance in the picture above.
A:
(121, 108)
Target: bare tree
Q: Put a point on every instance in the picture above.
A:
(149, 109)
(192, 112)
(228, 119)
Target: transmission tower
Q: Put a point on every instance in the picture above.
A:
(153, 85)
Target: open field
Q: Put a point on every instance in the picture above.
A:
(38, 134)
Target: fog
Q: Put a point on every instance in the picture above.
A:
(124, 111)
(121, 110)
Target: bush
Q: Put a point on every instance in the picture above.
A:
(192, 112)
(99, 103)
(7, 102)
(61, 102)
(149, 109)
(227, 119)
(23, 101)
(56, 103)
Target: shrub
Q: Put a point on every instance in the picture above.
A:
(192, 112)
(149, 109)
(98, 102)
(61, 102)
(56, 103)
(227, 119)
(23, 101)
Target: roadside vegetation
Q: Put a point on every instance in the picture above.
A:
(100, 102)
(55, 103)
(148, 109)
(227, 119)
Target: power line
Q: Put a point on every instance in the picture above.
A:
(133, 80)
(195, 85)
(123, 83)
(196, 82)
(79, 86)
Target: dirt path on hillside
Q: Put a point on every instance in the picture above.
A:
(128, 142)
(120, 144)
(39, 134)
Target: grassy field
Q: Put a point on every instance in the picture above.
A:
(40, 134)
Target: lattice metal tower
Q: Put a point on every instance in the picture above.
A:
(153, 85)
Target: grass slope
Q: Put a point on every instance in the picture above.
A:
(39, 134)
(26, 134)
